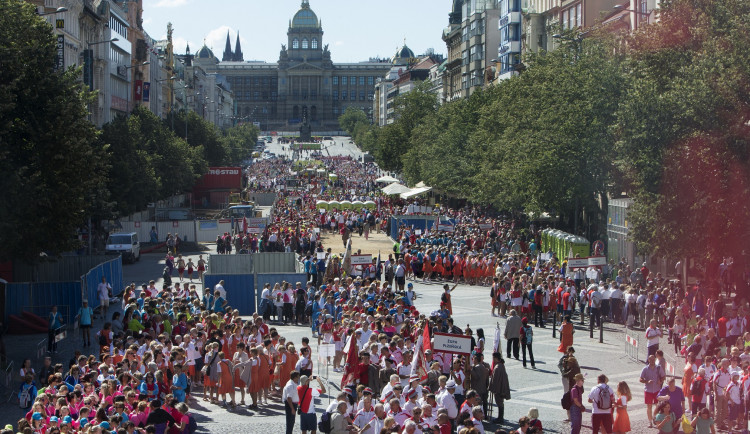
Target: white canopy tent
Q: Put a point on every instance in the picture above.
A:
(415, 192)
(395, 189)
(387, 179)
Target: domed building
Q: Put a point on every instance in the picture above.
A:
(304, 80)
(404, 56)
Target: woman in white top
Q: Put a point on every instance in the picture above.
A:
(26, 369)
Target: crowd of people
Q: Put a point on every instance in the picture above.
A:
(176, 343)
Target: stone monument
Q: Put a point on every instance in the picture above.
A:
(305, 130)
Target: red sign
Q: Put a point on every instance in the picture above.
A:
(175, 224)
(221, 178)
(137, 224)
(138, 89)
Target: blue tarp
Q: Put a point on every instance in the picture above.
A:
(240, 290)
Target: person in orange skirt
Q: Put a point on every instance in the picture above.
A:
(226, 380)
(438, 268)
(445, 299)
(291, 358)
(265, 369)
(457, 268)
(211, 379)
(466, 267)
(283, 365)
(447, 267)
(239, 360)
(255, 388)
(622, 419)
(427, 267)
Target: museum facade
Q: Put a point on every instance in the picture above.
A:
(304, 80)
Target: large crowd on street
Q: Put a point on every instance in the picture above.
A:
(173, 345)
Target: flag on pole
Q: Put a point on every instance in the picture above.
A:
(351, 362)
(496, 343)
(426, 338)
(244, 225)
(419, 362)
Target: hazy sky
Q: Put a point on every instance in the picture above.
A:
(354, 29)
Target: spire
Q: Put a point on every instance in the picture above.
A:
(227, 57)
(187, 48)
(238, 57)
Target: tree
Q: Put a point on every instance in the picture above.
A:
(350, 118)
(411, 109)
(51, 168)
(148, 161)
(683, 130)
(544, 140)
(240, 141)
(201, 134)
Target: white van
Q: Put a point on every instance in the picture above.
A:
(126, 244)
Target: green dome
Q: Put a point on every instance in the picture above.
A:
(305, 17)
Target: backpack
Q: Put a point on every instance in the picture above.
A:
(566, 401)
(103, 340)
(24, 397)
(697, 388)
(308, 309)
(324, 425)
(605, 398)
(192, 425)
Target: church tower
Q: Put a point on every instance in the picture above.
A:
(238, 56)
(228, 55)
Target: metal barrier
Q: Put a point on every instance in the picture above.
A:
(41, 349)
(8, 381)
(631, 347)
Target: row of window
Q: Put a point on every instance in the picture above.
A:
(256, 96)
(572, 18)
(306, 44)
(352, 95)
(344, 80)
(272, 81)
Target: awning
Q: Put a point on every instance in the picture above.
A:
(415, 192)
(386, 179)
(395, 189)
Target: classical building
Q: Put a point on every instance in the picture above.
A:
(304, 79)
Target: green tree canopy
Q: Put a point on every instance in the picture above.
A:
(149, 161)
(351, 117)
(683, 130)
(51, 166)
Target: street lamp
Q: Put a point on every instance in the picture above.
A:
(56, 11)
(622, 8)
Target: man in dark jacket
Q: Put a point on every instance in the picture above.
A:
(480, 379)
(499, 386)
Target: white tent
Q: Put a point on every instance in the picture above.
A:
(395, 189)
(386, 179)
(415, 192)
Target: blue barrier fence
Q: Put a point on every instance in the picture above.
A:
(240, 290)
(422, 222)
(112, 270)
(38, 298)
(32, 296)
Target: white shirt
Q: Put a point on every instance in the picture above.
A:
(594, 396)
(290, 391)
(103, 290)
(303, 363)
(653, 336)
(221, 290)
(447, 401)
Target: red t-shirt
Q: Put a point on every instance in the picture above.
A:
(722, 329)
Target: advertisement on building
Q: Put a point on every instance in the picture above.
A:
(220, 178)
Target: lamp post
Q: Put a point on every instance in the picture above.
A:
(622, 8)
(56, 11)
(127, 67)
(171, 96)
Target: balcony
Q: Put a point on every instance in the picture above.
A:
(509, 47)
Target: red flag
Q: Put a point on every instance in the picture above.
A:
(419, 362)
(426, 337)
(244, 225)
(352, 359)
